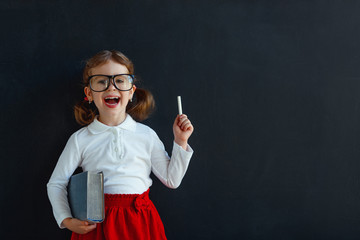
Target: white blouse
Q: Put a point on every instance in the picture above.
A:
(126, 154)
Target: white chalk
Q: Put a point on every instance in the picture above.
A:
(179, 104)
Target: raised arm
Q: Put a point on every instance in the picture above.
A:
(171, 171)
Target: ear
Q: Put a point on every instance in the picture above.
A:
(87, 92)
(132, 91)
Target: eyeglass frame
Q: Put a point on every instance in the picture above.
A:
(112, 77)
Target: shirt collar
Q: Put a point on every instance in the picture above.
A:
(97, 127)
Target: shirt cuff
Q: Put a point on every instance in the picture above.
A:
(189, 151)
(61, 219)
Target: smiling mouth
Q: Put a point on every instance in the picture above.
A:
(112, 100)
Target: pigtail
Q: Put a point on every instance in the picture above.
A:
(142, 105)
(84, 115)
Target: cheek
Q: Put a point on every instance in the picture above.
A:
(97, 98)
(125, 96)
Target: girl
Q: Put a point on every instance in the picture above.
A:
(124, 150)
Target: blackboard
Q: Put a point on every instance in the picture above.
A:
(272, 88)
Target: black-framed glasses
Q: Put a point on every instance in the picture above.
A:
(122, 82)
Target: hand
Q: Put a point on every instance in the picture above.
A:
(182, 129)
(78, 226)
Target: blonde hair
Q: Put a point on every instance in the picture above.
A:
(139, 109)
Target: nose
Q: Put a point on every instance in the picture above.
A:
(111, 85)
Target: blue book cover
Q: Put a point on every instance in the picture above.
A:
(86, 196)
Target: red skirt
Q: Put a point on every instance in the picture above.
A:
(127, 216)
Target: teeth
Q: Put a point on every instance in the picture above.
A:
(111, 98)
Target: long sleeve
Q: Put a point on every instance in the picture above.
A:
(170, 171)
(57, 185)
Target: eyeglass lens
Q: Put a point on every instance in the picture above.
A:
(101, 83)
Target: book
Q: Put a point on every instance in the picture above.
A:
(86, 196)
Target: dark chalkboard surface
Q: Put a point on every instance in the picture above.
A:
(272, 88)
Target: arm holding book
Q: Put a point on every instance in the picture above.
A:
(78, 226)
(57, 188)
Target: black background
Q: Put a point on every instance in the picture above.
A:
(272, 88)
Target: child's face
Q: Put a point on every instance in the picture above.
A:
(110, 107)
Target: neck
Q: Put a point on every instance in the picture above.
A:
(112, 120)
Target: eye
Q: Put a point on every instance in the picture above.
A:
(101, 81)
(119, 81)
